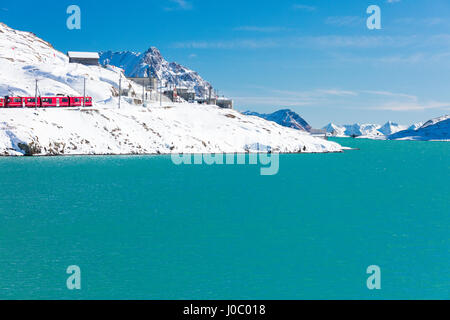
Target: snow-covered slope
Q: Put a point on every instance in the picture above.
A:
(105, 129)
(24, 58)
(285, 118)
(152, 63)
(435, 129)
(391, 128)
(183, 128)
(415, 126)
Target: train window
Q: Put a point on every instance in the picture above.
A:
(65, 100)
(17, 100)
(77, 100)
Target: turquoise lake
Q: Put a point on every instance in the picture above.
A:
(142, 228)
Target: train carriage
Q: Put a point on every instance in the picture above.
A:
(31, 102)
(45, 102)
(14, 102)
(55, 102)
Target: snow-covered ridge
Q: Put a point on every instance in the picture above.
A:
(285, 118)
(152, 63)
(105, 129)
(434, 129)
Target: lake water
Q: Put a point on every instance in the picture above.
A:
(143, 228)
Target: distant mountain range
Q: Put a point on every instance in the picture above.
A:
(285, 118)
(435, 129)
(152, 63)
(366, 130)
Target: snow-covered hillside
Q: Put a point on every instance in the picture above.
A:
(105, 129)
(25, 58)
(152, 63)
(435, 129)
(285, 118)
(183, 128)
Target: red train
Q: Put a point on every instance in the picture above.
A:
(44, 102)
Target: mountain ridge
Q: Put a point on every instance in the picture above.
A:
(284, 117)
(151, 63)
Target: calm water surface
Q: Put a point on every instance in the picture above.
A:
(143, 228)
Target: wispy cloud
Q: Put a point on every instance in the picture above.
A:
(391, 94)
(392, 1)
(267, 29)
(380, 100)
(428, 22)
(178, 5)
(303, 7)
(306, 42)
(270, 101)
(412, 106)
(344, 21)
(294, 98)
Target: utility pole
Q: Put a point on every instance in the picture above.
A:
(143, 92)
(35, 95)
(120, 88)
(160, 93)
(84, 92)
(209, 99)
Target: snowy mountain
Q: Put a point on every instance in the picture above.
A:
(415, 126)
(354, 130)
(285, 118)
(391, 128)
(152, 63)
(370, 131)
(105, 129)
(435, 129)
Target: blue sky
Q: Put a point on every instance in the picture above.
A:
(316, 57)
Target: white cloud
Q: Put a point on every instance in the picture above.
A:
(178, 5)
(317, 42)
(412, 106)
(303, 7)
(345, 21)
(267, 29)
(391, 94)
